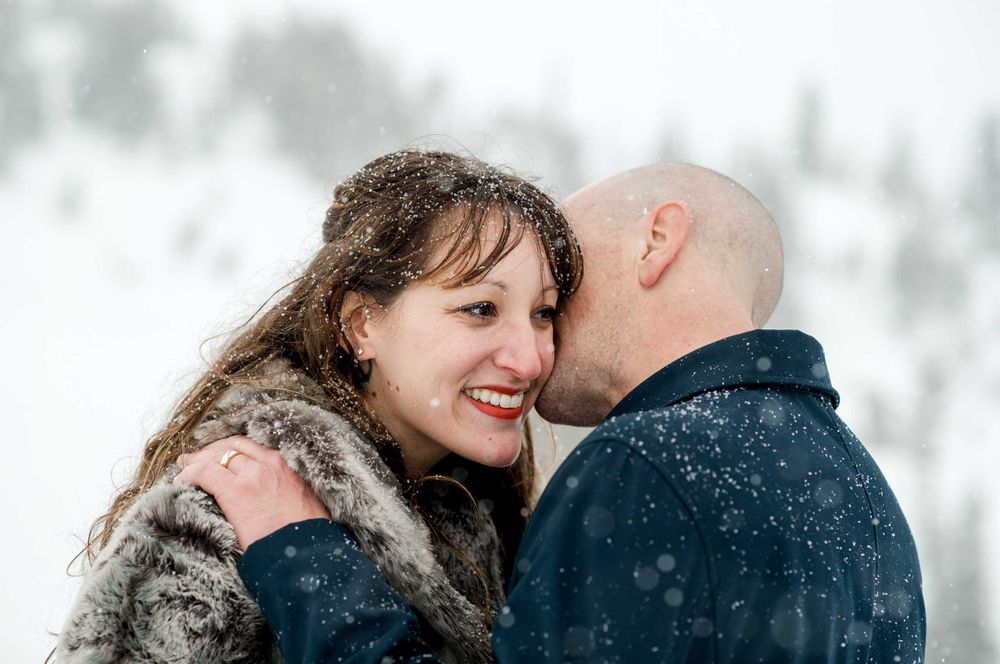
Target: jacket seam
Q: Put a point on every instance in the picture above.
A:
(702, 539)
(864, 487)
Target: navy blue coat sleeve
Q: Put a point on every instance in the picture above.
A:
(326, 601)
(611, 568)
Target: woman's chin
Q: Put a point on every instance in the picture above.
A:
(501, 454)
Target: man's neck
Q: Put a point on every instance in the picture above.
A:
(658, 353)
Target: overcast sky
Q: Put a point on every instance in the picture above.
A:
(722, 71)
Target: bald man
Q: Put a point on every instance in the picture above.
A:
(719, 512)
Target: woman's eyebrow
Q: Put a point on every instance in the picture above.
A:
(503, 285)
(498, 284)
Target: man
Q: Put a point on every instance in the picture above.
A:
(719, 512)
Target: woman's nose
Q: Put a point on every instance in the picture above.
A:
(520, 351)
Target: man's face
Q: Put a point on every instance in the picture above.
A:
(586, 333)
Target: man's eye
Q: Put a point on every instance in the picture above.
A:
(547, 313)
(480, 310)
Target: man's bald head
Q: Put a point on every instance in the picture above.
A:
(676, 257)
(730, 228)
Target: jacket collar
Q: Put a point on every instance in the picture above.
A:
(787, 359)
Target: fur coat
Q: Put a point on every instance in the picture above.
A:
(166, 587)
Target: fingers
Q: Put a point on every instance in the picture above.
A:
(258, 493)
(235, 461)
(210, 452)
(249, 451)
(208, 476)
(251, 448)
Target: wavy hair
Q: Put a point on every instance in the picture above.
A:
(379, 235)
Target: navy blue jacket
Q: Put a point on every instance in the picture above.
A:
(721, 513)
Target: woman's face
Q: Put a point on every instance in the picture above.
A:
(456, 369)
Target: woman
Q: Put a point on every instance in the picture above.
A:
(394, 378)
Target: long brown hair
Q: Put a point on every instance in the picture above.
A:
(379, 236)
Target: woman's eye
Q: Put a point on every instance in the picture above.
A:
(547, 313)
(480, 310)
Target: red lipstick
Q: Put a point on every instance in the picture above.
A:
(497, 411)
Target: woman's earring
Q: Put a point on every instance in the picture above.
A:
(364, 368)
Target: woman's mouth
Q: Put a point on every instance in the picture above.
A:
(496, 401)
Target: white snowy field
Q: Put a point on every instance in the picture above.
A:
(164, 167)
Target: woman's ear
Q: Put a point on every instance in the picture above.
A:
(664, 233)
(354, 323)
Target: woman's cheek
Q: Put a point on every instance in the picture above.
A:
(548, 355)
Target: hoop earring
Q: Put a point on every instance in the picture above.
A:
(365, 369)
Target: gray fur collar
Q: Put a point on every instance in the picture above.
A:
(166, 586)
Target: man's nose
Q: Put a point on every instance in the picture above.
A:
(519, 351)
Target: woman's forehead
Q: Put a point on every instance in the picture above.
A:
(519, 256)
(468, 243)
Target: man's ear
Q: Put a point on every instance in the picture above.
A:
(665, 230)
(354, 318)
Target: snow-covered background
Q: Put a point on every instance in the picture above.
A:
(164, 166)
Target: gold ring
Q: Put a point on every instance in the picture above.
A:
(227, 457)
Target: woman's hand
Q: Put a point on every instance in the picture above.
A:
(256, 490)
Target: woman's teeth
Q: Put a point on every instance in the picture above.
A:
(496, 398)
